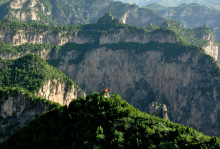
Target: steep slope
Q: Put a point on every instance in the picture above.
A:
(194, 15)
(75, 11)
(98, 122)
(18, 107)
(34, 74)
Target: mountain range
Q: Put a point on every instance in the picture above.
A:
(64, 12)
(158, 66)
(170, 2)
(191, 16)
(134, 62)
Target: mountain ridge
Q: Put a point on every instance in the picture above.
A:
(76, 12)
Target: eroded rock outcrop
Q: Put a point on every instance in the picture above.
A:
(159, 110)
(17, 109)
(77, 12)
(59, 92)
(212, 50)
(118, 35)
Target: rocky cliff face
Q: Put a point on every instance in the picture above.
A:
(58, 92)
(213, 51)
(22, 37)
(23, 10)
(158, 110)
(118, 35)
(17, 110)
(187, 84)
(77, 12)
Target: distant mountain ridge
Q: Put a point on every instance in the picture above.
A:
(170, 2)
(191, 16)
(69, 12)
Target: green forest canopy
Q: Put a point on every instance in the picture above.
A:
(98, 122)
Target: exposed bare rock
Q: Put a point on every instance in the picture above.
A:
(78, 12)
(17, 110)
(185, 84)
(212, 50)
(159, 110)
(49, 37)
(58, 92)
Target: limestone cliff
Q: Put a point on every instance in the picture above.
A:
(188, 84)
(158, 110)
(115, 36)
(23, 10)
(59, 92)
(23, 36)
(213, 51)
(76, 11)
(17, 108)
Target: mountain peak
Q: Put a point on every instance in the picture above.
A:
(107, 19)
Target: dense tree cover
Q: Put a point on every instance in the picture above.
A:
(36, 27)
(98, 122)
(6, 48)
(193, 36)
(170, 51)
(29, 72)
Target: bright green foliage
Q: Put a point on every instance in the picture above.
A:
(98, 122)
(29, 72)
(36, 27)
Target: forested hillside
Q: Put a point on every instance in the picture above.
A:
(98, 122)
